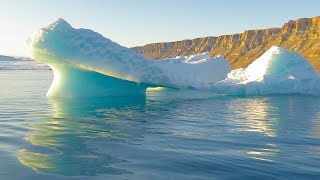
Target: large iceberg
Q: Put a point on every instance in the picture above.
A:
(87, 64)
(277, 71)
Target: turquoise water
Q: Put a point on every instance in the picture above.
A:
(169, 134)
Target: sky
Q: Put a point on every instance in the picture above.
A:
(138, 22)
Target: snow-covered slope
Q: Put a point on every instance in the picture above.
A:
(278, 71)
(63, 47)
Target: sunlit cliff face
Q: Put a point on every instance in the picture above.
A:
(302, 35)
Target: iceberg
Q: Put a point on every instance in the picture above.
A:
(85, 63)
(277, 71)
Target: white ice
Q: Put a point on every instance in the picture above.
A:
(277, 71)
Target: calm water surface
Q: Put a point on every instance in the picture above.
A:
(168, 134)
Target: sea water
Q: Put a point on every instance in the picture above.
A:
(167, 134)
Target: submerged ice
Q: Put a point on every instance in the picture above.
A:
(87, 64)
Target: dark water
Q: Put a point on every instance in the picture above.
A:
(168, 134)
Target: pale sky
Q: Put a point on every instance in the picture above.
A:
(138, 22)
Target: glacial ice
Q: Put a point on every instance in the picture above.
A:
(74, 53)
(277, 71)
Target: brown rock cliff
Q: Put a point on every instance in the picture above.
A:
(302, 35)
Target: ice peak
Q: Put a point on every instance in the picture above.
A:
(62, 21)
(60, 24)
(276, 50)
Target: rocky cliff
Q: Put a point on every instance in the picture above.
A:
(302, 35)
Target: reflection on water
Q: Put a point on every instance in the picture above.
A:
(274, 117)
(316, 127)
(196, 130)
(168, 134)
(254, 115)
(64, 137)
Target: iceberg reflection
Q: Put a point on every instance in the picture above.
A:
(134, 136)
(60, 143)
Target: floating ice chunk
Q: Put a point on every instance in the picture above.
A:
(278, 71)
